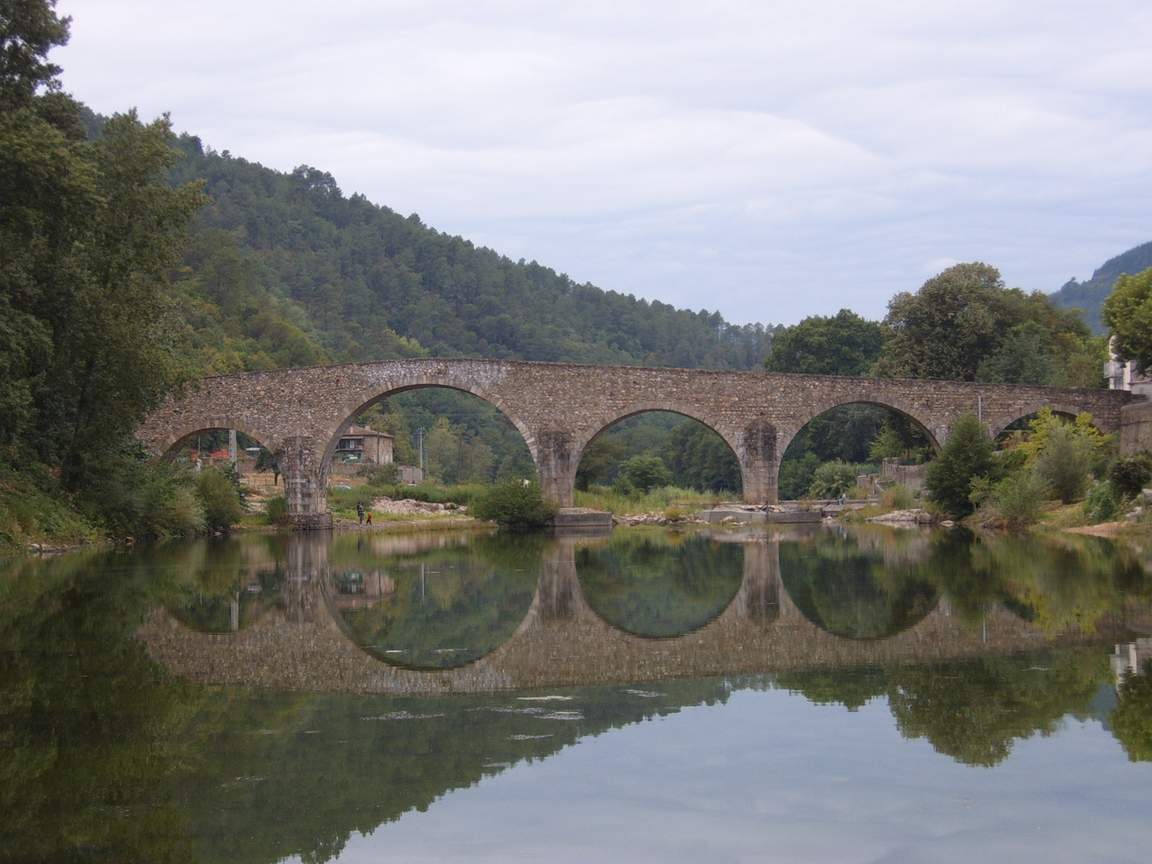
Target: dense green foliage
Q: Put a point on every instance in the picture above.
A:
(1088, 297)
(373, 284)
(1132, 719)
(833, 479)
(517, 505)
(844, 344)
(1065, 463)
(1018, 498)
(651, 584)
(966, 455)
(697, 457)
(1130, 474)
(1128, 313)
(963, 324)
(641, 474)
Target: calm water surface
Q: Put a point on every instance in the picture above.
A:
(822, 695)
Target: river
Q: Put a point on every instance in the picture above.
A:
(827, 694)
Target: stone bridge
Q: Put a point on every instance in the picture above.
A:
(560, 407)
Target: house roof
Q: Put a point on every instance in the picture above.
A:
(364, 432)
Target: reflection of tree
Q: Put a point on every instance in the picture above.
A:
(974, 710)
(970, 710)
(643, 583)
(1132, 719)
(446, 606)
(222, 584)
(852, 688)
(847, 588)
(1056, 583)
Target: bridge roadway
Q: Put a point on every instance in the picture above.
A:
(563, 642)
(559, 408)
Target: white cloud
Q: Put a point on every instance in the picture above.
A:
(772, 159)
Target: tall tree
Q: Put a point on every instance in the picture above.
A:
(964, 324)
(843, 344)
(1128, 314)
(88, 233)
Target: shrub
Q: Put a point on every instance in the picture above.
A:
(380, 475)
(832, 479)
(276, 510)
(1016, 500)
(516, 505)
(220, 499)
(1103, 503)
(966, 455)
(897, 497)
(641, 474)
(1130, 474)
(1064, 463)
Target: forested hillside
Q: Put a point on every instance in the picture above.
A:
(284, 269)
(1090, 295)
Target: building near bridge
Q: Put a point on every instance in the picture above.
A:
(1123, 375)
(364, 446)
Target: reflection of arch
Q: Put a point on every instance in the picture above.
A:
(1002, 421)
(355, 405)
(934, 435)
(265, 438)
(649, 609)
(606, 421)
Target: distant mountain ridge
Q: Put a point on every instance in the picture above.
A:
(1089, 296)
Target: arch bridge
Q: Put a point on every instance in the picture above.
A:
(560, 407)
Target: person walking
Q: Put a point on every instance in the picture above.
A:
(360, 512)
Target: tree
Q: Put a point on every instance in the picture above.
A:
(964, 324)
(642, 474)
(843, 344)
(1064, 463)
(832, 479)
(967, 454)
(29, 29)
(1128, 314)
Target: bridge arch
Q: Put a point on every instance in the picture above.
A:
(936, 431)
(606, 421)
(1000, 422)
(356, 404)
(166, 447)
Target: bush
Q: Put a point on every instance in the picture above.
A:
(966, 455)
(897, 497)
(517, 505)
(1103, 503)
(380, 475)
(641, 474)
(1064, 464)
(220, 498)
(1130, 474)
(276, 510)
(832, 479)
(1016, 500)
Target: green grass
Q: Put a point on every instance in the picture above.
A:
(656, 501)
(33, 511)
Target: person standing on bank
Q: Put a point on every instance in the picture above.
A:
(360, 512)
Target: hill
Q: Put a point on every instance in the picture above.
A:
(285, 269)
(1089, 296)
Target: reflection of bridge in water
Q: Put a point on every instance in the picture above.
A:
(562, 641)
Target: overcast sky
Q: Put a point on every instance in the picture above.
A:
(771, 160)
